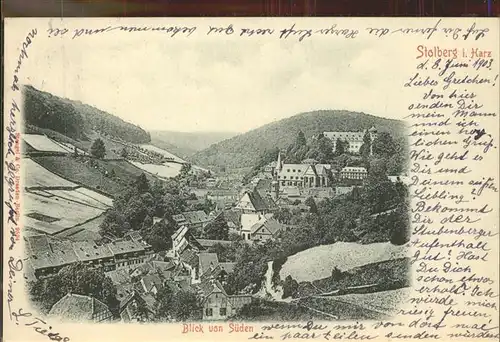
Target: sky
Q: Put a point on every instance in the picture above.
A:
(222, 85)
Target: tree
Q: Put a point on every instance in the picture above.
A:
(367, 142)
(185, 306)
(301, 139)
(185, 169)
(218, 229)
(159, 235)
(163, 303)
(340, 147)
(75, 278)
(124, 153)
(136, 211)
(142, 184)
(336, 274)
(384, 145)
(321, 150)
(98, 150)
(114, 224)
(283, 215)
(312, 205)
(290, 287)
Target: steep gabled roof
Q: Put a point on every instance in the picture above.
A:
(260, 203)
(151, 280)
(271, 225)
(207, 261)
(210, 286)
(75, 307)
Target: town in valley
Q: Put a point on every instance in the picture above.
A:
(306, 219)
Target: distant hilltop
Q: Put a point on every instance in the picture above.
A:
(244, 149)
(75, 119)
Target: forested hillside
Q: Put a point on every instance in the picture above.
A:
(243, 150)
(185, 144)
(74, 119)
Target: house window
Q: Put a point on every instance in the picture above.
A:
(288, 170)
(223, 311)
(209, 312)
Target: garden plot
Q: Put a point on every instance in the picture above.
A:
(165, 170)
(321, 260)
(54, 214)
(90, 198)
(42, 143)
(37, 176)
(162, 152)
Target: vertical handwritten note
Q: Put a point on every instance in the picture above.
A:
(454, 166)
(447, 74)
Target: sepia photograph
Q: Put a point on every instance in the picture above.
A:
(171, 181)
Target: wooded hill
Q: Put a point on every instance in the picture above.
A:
(185, 144)
(75, 119)
(243, 150)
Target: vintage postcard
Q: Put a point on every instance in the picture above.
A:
(233, 179)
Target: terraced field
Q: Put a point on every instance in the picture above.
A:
(166, 170)
(78, 172)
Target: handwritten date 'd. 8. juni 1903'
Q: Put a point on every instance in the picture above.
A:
(331, 179)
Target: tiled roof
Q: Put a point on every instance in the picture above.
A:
(209, 243)
(193, 217)
(123, 246)
(77, 307)
(190, 257)
(211, 286)
(180, 232)
(207, 260)
(120, 276)
(260, 203)
(150, 280)
(46, 251)
(86, 250)
(270, 225)
(227, 266)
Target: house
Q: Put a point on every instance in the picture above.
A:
(134, 308)
(89, 253)
(216, 303)
(129, 252)
(264, 230)
(353, 173)
(80, 308)
(248, 221)
(354, 140)
(179, 240)
(254, 202)
(151, 283)
(192, 219)
(219, 272)
(207, 262)
(47, 255)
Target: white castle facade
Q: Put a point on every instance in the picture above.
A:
(354, 140)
